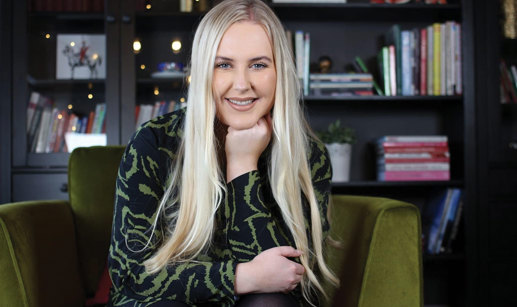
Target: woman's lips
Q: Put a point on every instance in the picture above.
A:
(241, 104)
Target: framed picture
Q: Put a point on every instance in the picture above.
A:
(81, 56)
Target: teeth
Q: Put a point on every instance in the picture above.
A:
(241, 103)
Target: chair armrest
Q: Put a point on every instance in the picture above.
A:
(38, 255)
(380, 260)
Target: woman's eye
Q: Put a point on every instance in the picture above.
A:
(259, 65)
(223, 65)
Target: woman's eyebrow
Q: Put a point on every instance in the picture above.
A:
(259, 58)
(222, 58)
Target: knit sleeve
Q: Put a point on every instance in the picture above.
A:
(253, 227)
(139, 188)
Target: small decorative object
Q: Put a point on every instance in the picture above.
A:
(510, 19)
(80, 56)
(169, 70)
(325, 64)
(338, 141)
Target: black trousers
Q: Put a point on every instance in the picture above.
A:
(249, 300)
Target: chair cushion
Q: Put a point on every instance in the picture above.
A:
(92, 174)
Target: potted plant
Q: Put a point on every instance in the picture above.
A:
(338, 141)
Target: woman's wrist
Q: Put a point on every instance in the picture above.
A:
(235, 169)
(243, 279)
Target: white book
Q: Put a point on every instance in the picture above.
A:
(33, 102)
(443, 61)
(428, 166)
(414, 138)
(458, 59)
(46, 118)
(299, 49)
(52, 130)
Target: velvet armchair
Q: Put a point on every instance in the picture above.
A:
(53, 253)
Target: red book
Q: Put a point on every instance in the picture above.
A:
(414, 144)
(432, 150)
(63, 125)
(416, 176)
(90, 122)
(425, 160)
(423, 61)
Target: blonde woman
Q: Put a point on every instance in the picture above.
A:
(224, 202)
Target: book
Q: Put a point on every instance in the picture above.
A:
(31, 108)
(393, 71)
(385, 70)
(423, 61)
(435, 216)
(406, 63)
(437, 59)
(306, 63)
(430, 59)
(393, 37)
(447, 220)
(363, 69)
(413, 138)
(413, 176)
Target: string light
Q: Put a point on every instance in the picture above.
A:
(60, 116)
(156, 91)
(137, 46)
(70, 107)
(148, 6)
(90, 96)
(72, 44)
(142, 67)
(176, 46)
(47, 36)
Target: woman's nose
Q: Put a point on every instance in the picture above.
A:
(241, 80)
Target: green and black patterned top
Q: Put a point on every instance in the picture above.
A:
(247, 223)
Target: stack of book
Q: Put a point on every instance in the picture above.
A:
(413, 158)
(424, 61)
(47, 125)
(441, 220)
(146, 112)
(344, 84)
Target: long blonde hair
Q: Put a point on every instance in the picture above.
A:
(196, 167)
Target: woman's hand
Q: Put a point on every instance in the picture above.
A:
(270, 271)
(244, 147)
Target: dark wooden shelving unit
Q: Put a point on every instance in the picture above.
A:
(345, 31)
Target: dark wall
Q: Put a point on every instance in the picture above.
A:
(5, 100)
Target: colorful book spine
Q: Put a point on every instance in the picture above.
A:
(437, 59)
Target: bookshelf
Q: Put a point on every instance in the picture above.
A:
(497, 156)
(341, 31)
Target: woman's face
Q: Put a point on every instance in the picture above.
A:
(244, 79)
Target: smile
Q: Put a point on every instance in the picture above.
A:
(241, 102)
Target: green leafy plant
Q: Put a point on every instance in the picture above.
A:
(337, 134)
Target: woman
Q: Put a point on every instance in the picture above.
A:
(225, 202)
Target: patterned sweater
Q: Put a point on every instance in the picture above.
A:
(247, 223)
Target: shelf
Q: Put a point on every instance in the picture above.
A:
(396, 184)
(365, 12)
(454, 257)
(437, 99)
(48, 160)
(84, 16)
(52, 83)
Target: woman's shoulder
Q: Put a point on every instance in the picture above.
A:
(319, 159)
(165, 130)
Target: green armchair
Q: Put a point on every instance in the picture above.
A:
(53, 253)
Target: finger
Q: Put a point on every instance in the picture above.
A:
(288, 251)
(299, 269)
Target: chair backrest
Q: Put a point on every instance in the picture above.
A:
(92, 173)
